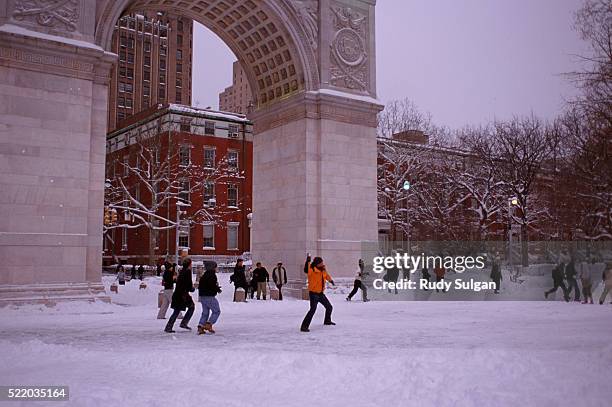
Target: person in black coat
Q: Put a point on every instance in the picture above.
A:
(239, 278)
(425, 276)
(572, 283)
(140, 272)
(557, 276)
(496, 275)
(262, 277)
(208, 288)
(133, 272)
(181, 298)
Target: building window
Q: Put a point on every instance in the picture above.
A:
(184, 192)
(185, 126)
(123, 41)
(147, 46)
(232, 195)
(130, 73)
(162, 50)
(146, 75)
(129, 103)
(147, 60)
(146, 90)
(122, 55)
(209, 194)
(178, 98)
(179, 26)
(131, 42)
(162, 64)
(179, 68)
(121, 102)
(184, 155)
(124, 242)
(179, 54)
(179, 82)
(184, 235)
(163, 32)
(162, 78)
(232, 236)
(209, 235)
(120, 116)
(232, 159)
(209, 157)
(209, 128)
(232, 131)
(122, 70)
(130, 58)
(161, 92)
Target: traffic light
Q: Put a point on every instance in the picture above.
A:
(113, 215)
(107, 217)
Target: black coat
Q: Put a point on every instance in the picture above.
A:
(208, 285)
(181, 298)
(496, 274)
(168, 279)
(557, 274)
(261, 275)
(570, 271)
(239, 277)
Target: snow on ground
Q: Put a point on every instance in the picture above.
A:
(380, 353)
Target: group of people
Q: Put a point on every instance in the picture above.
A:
(565, 275)
(257, 280)
(178, 289)
(121, 277)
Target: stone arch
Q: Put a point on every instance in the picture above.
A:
(272, 40)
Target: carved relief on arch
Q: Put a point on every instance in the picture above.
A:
(62, 14)
(349, 52)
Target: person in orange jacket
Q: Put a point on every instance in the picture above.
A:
(317, 275)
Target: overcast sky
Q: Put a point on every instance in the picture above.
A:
(465, 61)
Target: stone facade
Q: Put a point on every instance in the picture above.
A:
(314, 145)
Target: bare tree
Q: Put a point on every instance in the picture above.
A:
(144, 183)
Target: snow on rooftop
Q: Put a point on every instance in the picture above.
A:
(207, 112)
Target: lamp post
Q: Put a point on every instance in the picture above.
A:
(513, 201)
(179, 212)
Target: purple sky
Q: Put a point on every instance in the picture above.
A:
(465, 61)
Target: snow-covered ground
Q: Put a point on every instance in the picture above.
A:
(380, 353)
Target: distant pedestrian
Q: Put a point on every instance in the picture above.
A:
(208, 288)
(133, 272)
(252, 282)
(425, 276)
(496, 274)
(158, 270)
(140, 272)
(391, 277)
(261, 277)
(557, 276)
(181, 298)
(586, 275)
(570, 276)
(440, 272)
(279, 275)
(359, 283)
(239, 278)
(317, 276)
(120, 274)
(606, 276)
(168, 279)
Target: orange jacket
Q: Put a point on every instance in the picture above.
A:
(316, 278)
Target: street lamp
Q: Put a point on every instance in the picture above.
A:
(179, 212)
(513, 201)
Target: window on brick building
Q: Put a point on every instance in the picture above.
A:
(209, 128)
(209, 235)
(147, 60)
(146, 75)
(179, 54)
(209, 194)
(162, 64)
(232, 236)
(179, 26)
(147, 46)
(232, 195)
(232, 131)
(179, 82)
(161, 92)
(130, 58)
(209, 157)
(179, 40)
(232, 159)
(130, 73)
(184, 155)
(179, 67)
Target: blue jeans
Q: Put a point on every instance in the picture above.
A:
(316, 298)
(210, 310)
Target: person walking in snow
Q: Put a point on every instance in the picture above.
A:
(168, 279)
(570, 277)
(317, 276)
(133, 272)
(439, 272)
(208, 288)
(557, 276)
(239, 278)
(585, 275)
(496, 275)
(181, 298)
(425, 276)
(606, 276)
(262, 277)
(360, 275)
(279, 276)
(120, 274)
(140, 272)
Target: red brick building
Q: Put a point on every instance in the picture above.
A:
(209, 154)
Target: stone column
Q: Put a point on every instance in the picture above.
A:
(314, 186)
(53, 95)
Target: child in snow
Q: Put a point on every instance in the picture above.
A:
(317, 275)
(208, 288)
(120, 275)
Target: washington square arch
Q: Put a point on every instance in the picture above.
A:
(312, 67)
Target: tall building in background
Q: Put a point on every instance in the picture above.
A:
(237, 98)
(154, 66)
